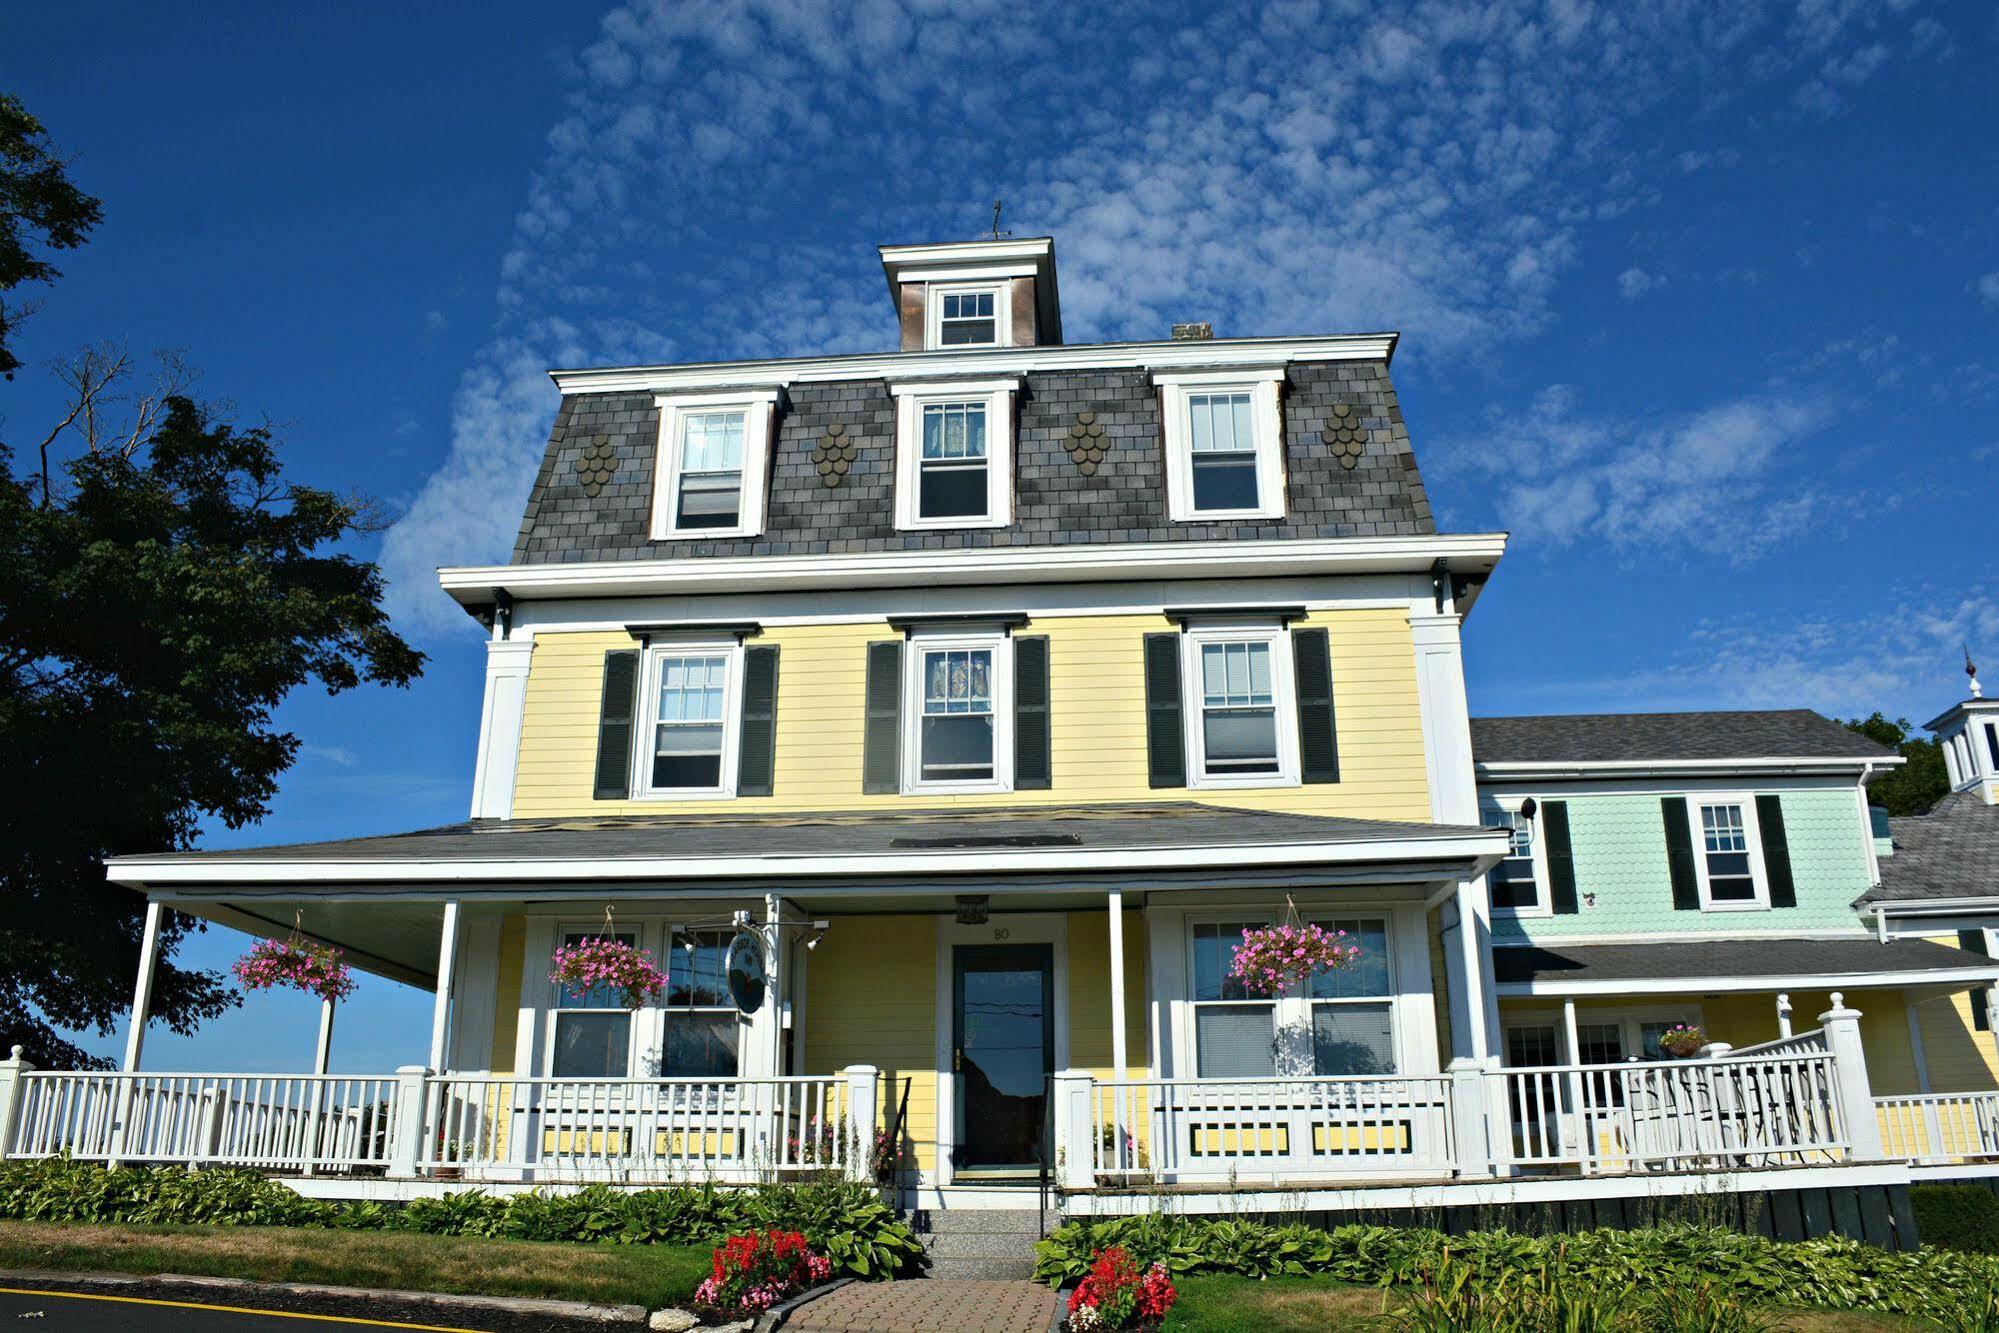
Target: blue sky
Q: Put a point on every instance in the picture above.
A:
(1703, 309)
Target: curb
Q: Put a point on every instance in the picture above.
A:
(775, 1317)
(575, 1312)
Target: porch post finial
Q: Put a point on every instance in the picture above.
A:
(1850, 1081)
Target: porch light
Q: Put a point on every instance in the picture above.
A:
(972, 909)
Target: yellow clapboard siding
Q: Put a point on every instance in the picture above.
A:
(871, 998)
(1959, 1057)
(1096, 723)
(506, 1012)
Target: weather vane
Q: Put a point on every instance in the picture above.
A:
(1972, 672)
(998, 235)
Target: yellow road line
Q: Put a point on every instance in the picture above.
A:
(229, 1309)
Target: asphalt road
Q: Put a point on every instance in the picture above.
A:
(49, 1311)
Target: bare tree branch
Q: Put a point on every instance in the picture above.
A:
(99, 406)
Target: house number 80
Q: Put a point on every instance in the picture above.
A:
(1000, 933)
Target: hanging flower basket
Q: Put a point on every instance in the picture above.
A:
(1682, 1041)
(1272, 959)
(313, 968)
(631, 971)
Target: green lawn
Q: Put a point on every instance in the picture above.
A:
(1320, 1305)
(648, 1275)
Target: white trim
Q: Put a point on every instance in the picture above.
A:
(501, 867)
(911, 398)
(1261, 384)
(934, 292)
(1284, 697)
(656, 652)
(1717, 931)
(757, 406)
(1500, 771)
(473, 585)
(1736, 985)
(1752, 837)
(1170, 354)
(1544, 906)
(1000, 645)
(500, 716)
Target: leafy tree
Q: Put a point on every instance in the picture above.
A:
(36, 201)
(1920, 782)
(162, 588)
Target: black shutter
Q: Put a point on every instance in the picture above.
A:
(1776, 851)
(881, 764)
(756, 758)
(1030, 713)
(1973, 941)
(1554, 817)
(1165, 743)
(1318, 733)
(1680, 854)
(614, 725)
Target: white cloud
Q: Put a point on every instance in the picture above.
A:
(1636, 282)
(720, 170)
(1988, 289)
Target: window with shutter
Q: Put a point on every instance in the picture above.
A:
(1241, 704)
(1031, 748)
(958, 713)
(881, 762)
(614, 725)
(691, 713)
(1318, 730)
(757, 764)
(1166, 756)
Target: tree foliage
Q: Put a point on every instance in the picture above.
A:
(1916, 785)
(162, 589)
(40, 210)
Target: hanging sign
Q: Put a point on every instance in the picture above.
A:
(748, 973)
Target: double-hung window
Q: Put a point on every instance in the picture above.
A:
(1353, 1019)
(954, 454)
(959, 735)
(1235, 1032)
(1728, 853)
(1241, 700)
(1514, 882)
(1338, 1023)
(967, 316)
(692, 691)
(712, 464)
(703, 1037)
(591, 1033)
(1224, 444)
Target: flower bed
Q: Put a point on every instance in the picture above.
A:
(1118, 1294)
(755, 1271)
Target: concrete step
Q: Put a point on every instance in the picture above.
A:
(984, 1270)
(985, 1221)
(980, 1245)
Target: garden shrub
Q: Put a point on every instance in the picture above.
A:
(1829, 1272)
(1957, 1217)
(846, 1222)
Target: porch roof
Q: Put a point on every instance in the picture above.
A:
(1715, 966)
(1107, 838)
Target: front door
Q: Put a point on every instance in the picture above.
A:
(1003, 1049)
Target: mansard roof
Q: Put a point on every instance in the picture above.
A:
(1637, 739)
(593, 495)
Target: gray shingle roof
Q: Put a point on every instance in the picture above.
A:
(1165, 824)
(1791, 733)
(1697, 960)
(1056, 503)
(1951, 852)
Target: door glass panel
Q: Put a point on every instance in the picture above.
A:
(1004, 1056)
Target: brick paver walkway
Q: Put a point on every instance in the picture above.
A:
(926, 1305)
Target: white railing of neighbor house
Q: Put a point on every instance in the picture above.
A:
(1939, 1126)
(1190, 1129)
(297, 1122)
(649, 1129)
(1676, 1115)
(1800, 1043)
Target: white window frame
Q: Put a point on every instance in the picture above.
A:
(1000, 644)
(758, 407)
(1262, 385)
(656, 652)
(910, 400)
(1293, 1009)
(1752, 834)
(1284, 691)
(933, 313)
(1543, 907)
(635, 1033)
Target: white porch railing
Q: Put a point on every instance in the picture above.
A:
(642, 1129)
(1939, 1126)
(1799, 1043)
(300, 1122)
(1758, 1111)
(1194, 1129)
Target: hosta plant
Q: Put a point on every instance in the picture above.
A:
(757, 1270)
(313, 968)
(1272, 959)
(630, 971)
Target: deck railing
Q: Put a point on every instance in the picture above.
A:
(1798, 1043)
(1939, 1126)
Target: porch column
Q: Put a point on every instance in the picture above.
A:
(142, 993)
(323, 1055)
(1570, 1053)
(1119, 1056)
(1474, 974)
(766, 1054)
(1850, 1082)
(447, 967)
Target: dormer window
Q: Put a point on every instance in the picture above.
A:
(712, 452)
(954, 454)
(1224, 444)
(968, 317)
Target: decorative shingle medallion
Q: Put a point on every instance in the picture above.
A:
(595, 464)
(834, 454)
(1085, 443)
(1346, 435)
